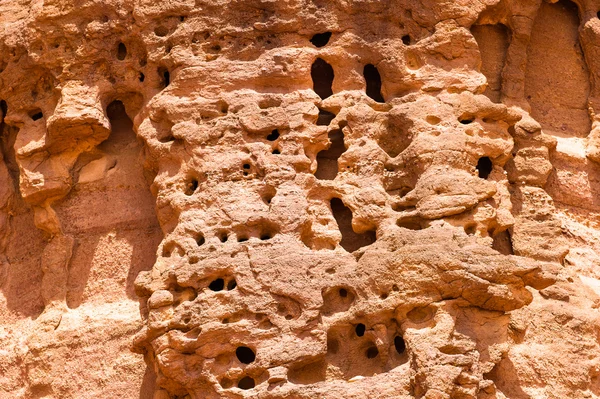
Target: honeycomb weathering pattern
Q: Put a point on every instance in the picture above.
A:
(299, 199)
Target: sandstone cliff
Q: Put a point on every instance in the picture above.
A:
(299, 199)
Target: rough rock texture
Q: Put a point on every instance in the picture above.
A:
(299, 199)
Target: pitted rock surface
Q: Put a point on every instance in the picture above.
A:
(299, 199)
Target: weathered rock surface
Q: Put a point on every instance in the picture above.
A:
(299, 199)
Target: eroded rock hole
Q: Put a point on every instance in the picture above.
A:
(321, 39)
(484, 167)
(466, 120)
(165, 77)
(322, 77)
(274, 135)
(399, 344)
(231, 285)
(217, 285)
(373, 80)
(245, 355)
(372, 352)
(502, 242)
(142, 77)
(191, 187)
(37, 115)
(351, 241)
(200, 240)
(360, 329)
(223, 237)
(276, 152)
(325, 117)
(407, 40)
(343, 292)
(242, 239)
(246, 383)
(121, 51)
(327, 160)
(161, 31)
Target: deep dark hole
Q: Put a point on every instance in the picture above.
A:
(37, 116)
(245, 354)
(231, 285)
(121, 51)
(327, 160)
(192, 186)
(217, 285)
(276, 152)
(223, 237)
(484, 167)
(325, 118)
(165, 76)
(598, 14)
(360, 329)
(246, 166)
(351, 241)
(321, 39)
(406, 39)
(372, 352)
(200, 240)
(246, 383)
(343, 292)
(242, 239)
(4, 108)
(373, 80)
(399, 344)
(266, 236)
(273, 136)
(322, 76)
(161, 31)
(466, 120)
(142, 77)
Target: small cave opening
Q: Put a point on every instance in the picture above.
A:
(223, 237)
(372, 352)
(274, 135)
(466, 120)
(360, 329)
(217, 285)
(161, 31)
(231, 285)
(327, 160)
(121, 51)
(373, 80)
(200, 240)
(351, 241)
(246, 383)
(322, 77)
(321, 39)
(407, 40)
(502, 242)
(142, 77)
(191, 187)
(117, 115)
(165, 76)
(399, 344)
(325, 117)
(484, 167)
(36, 114)
(245, 355)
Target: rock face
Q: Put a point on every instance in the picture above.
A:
(299, 199)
